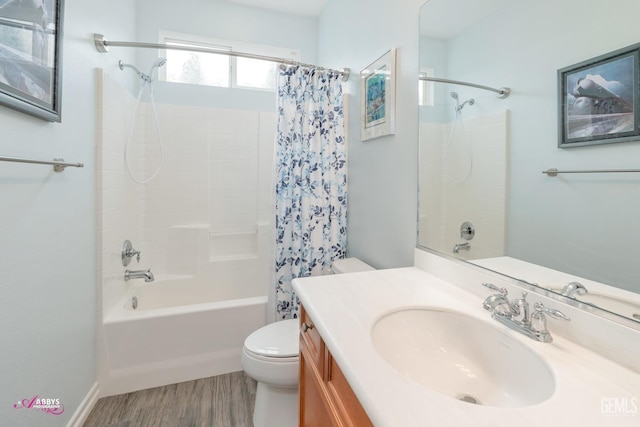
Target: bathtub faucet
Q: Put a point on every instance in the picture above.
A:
(147, 275)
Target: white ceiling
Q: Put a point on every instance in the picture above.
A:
(312, 8)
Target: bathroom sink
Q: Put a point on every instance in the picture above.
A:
(461, 357)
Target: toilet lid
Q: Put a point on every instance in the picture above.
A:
(279, 339)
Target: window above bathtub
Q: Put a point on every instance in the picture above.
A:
(221, 70)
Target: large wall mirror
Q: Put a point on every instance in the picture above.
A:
(483, 195)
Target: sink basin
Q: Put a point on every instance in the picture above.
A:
(461, 357)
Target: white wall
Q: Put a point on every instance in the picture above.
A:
(47, 261)
(575, 218)
(382, 172)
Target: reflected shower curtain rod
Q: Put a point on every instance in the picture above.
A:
(503, 92)
(102, 45)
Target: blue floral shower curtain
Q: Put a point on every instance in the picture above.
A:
(311, 179)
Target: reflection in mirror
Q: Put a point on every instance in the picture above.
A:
(481, 156)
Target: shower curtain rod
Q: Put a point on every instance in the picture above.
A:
(503, 92)
(102, 45)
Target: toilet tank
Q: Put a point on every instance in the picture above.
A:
(349, 265)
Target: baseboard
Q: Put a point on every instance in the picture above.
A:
(87, 404)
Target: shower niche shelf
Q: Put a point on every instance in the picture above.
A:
(233, 245)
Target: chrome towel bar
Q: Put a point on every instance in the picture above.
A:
(58, 164)
(555, 172)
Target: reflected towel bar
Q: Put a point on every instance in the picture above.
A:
(58, 164)
(555, 172)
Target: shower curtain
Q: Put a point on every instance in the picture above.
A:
(311, 179)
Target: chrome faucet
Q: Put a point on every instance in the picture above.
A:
(572, 289)
(515, 314)
(147, 275)
(461, 246)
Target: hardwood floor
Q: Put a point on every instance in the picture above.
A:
(222, 401)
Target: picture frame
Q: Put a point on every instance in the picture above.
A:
(377, 97)
(599, 99)
(31, 57)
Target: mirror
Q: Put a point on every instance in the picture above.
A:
(483, 196)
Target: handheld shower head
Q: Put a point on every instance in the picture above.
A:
(159, 63)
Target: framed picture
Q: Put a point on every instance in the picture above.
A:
(598, 100)
(377, 106)
(31, 57)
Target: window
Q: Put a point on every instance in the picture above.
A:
(425, 88)
(220, 69)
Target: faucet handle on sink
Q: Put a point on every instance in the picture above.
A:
(556, 314)
(539, 321)
(502, 291)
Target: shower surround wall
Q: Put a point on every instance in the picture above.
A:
(480, 198)
(205, 215)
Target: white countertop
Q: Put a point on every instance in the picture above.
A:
(345, 307)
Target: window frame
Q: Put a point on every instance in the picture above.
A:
(227, 45)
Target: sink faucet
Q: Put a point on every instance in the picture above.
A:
(572, 289)
(515, 314)
(147, 275)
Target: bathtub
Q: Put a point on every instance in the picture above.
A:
(181, 330)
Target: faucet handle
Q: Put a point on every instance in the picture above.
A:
(128, 252)
(556, 314)
(133, 252)
(502, 291)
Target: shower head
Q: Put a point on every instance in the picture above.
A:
(159, 63)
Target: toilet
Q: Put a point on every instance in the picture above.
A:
(271, 356)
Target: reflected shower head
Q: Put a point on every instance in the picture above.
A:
(459, 106)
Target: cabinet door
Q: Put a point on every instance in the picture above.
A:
(310, 339)
(313, 403)
(348, 408)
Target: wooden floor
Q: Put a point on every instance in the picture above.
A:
(222, 401)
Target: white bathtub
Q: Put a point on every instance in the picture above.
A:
(182, 330)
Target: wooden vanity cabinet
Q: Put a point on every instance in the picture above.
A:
(326, 399)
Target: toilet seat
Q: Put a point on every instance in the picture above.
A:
(275, 360)
(274, 342)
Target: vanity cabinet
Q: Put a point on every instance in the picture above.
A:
(326, 399)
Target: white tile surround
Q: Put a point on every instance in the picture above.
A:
(480, 199)
(207, 211)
